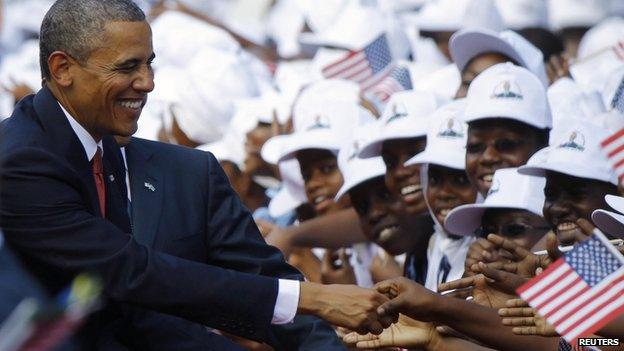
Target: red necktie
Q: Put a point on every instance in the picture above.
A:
(98, 176)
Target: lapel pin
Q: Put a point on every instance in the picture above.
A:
(149, 186)
(111, 177)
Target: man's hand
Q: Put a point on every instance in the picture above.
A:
(407, 297)
(407, 333)
(336, 268)
(525, 320)
(346, 306)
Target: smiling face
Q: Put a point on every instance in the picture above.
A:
(520, 226)
(319, 169)
(109, 90)
(378, 212)
(498, 143)
(569, 199)
(448, 188)
(404, 181)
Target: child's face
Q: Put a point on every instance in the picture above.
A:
(448, 188)
(477, 65)
(322, 178)
(494, 144)
(379, 212)
(404, 181)
(569, 199)
(520, 226)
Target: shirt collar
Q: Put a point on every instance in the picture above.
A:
(88, 143)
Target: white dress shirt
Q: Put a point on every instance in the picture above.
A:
(288, 290)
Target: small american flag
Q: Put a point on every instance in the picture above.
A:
(582, 291)
(370, 67)
(398, 80)
(613, 147)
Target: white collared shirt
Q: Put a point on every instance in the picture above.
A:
(288, 290)
(88, 143)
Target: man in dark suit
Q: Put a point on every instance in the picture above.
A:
(62, 211)
(179, 199)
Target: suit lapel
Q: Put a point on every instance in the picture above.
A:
(147, 187)
(64, 142)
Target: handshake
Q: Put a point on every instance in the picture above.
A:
(364, 310)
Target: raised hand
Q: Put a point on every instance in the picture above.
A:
(525, 263)
(524, 319)
(406, 333)
(483, 293)
(500, 279)
(479, 251)
(347, 306)
(407, 297)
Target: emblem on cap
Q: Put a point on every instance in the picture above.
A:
(576, 141)
(451, 128)
(398, 111)
(494, 188)
(507, 90)
(320, 122)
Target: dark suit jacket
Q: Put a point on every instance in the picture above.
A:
(50, 215)
(183, 204)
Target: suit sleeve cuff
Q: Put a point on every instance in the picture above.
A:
(287, 301)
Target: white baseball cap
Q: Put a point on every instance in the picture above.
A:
(355, 170)
(452, 15)
(508, 91)
(442, 81)
(574, 150)
(510, 189)
(519, 14)
(406, 116)
(312, 100)
(607, 33)
(575, 13)
(325, 127)
(608, 221)
(469, 43)
(292, 193)
(446, 138)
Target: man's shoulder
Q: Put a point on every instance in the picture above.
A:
(22, 129)
(172, 153)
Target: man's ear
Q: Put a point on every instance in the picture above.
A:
(59, 64)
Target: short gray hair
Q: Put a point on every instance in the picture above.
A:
(76, 27)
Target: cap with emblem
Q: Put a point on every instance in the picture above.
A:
(326, 127)
(446, 138)
(574, 150)
(355, 170)
(508, 91)
(510, 189)
(406, 116)
(608, 221)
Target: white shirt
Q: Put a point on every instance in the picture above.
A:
(288, 290)
(440, 244)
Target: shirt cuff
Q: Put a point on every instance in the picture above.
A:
(287, 301)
